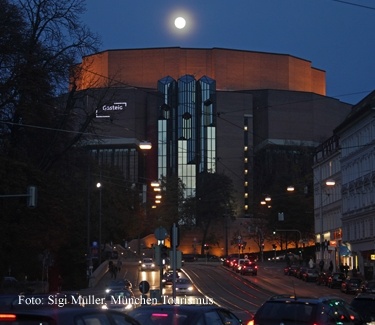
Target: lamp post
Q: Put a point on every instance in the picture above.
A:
(99, 186)
(144, 146)
(328, 182)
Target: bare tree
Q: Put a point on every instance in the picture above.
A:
(39, 71)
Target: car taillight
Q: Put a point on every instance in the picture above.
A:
(7, 317)
(159, 315)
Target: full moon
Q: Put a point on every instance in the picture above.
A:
(180, 22)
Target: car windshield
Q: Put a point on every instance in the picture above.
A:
(297, 312)
(364, 305)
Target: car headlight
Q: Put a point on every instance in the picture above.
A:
(104, 307)
(191, 288)
(152, 265)
(143, 265)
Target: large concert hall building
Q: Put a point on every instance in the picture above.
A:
(208, 110)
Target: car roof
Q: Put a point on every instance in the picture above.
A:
(183, 308)
(312, 299)
(367, 296)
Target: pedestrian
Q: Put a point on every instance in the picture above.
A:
(59, 283)
(119, 264)
(321, 265)
(346, 269)
(330, 267)
(311, 263)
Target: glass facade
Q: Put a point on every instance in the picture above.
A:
(126, 159)
(187, 129)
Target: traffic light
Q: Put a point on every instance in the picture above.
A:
(175, 236)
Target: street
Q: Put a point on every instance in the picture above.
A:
(213, 282)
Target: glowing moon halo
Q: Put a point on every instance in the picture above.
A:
(180, 22)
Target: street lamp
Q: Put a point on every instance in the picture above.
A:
(328, 182)
(144, 146)
(99, 186)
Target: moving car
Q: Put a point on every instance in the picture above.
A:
(167, 279)
(120, 284)
(184, 315)
(249, 267)
(352, 285)
(364, 304)
(65, 316)
(283, 309)
(120, 300)
(184, 286)
(147, 264)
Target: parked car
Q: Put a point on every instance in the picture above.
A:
(287, 310)
(9, 285)
(322, 278)
(249, 267)
(300, 272)
(189, 257)
(68, 315)
(351, 285)
(335, 279)
(310, 275)
(291, 270)
(184, 314)
(147, 264)
(368, 287)
(364, 304)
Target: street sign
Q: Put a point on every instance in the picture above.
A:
(160, 233)
(144, 287)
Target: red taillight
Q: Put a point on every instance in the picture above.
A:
(7, 317)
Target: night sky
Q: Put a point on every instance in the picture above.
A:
(336, 36)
